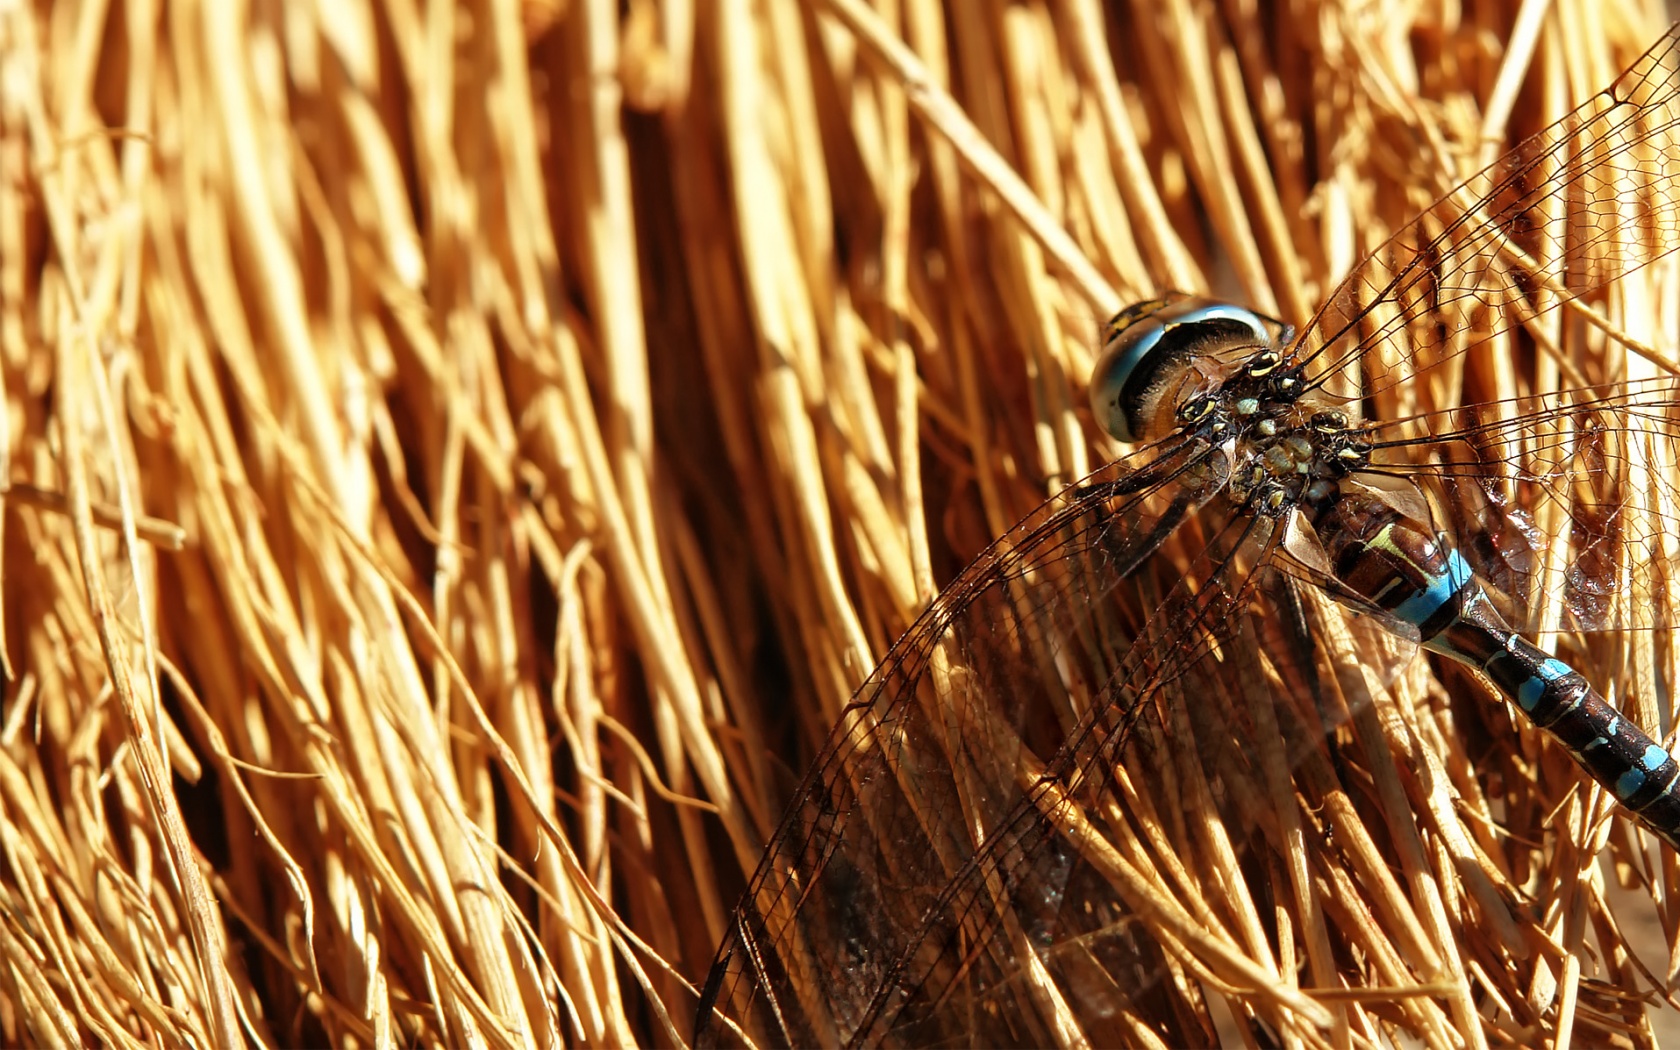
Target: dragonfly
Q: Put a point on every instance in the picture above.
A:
(1146, 650)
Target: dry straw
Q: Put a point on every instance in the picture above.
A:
(462, 459)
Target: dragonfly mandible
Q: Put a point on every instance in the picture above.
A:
(961, 865)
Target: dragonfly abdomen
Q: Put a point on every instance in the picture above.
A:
(1641, 774)
(1398, 566)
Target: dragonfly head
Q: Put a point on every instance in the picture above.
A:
(1160, 355)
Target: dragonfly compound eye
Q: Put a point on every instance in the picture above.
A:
(1156, 353)
(1138, 311)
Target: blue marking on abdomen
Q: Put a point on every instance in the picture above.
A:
(1635, 777)
(1422, 605)
(1530, 692)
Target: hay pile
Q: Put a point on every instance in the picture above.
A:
(462, 460)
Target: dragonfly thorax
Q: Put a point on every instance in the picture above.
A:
(1295, 458)
(1221, 374)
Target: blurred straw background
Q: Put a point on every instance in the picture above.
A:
(462, 458)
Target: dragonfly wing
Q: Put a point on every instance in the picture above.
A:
(935, 880)
(1567, 506)
(1566, 213)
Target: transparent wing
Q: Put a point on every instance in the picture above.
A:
(938, 878)
(1558, 219)
(1070, 804)
(1567, 506)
